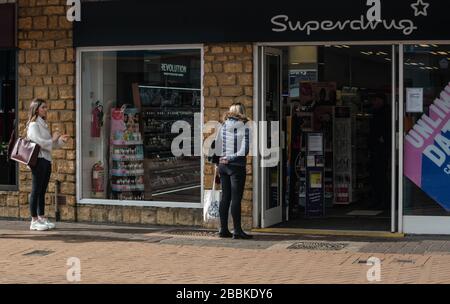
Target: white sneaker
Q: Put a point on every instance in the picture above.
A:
(49, 224)
(38, 225)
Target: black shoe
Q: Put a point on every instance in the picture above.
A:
(225, 234)
(241, 235)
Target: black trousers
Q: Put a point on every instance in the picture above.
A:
(40, 178)
(232, 179)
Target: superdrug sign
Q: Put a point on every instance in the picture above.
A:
(134, 22)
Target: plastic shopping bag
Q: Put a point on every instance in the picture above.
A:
(211, 203)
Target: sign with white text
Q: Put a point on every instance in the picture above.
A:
(134, 22)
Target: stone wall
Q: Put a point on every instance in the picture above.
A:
(46, 69)
(228, 78)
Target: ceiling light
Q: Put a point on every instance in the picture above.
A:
(424, 45)
(442, 53)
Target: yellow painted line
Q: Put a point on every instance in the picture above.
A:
(381, 234)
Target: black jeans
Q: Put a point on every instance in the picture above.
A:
(41, 176)
(232, 179)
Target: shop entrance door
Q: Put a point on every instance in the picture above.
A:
(360, 74)
(270, 167)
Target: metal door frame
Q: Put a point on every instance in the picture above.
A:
(273, 215)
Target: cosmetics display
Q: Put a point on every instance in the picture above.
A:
(161, 108)
(127, 155)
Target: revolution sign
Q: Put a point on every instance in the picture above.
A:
(427, 151)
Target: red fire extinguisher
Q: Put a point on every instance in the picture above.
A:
(98, 173)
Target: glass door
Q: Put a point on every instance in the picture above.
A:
(271, 169)
(424, 153)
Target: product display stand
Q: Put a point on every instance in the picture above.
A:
(306, 120)
(127, 155)
(355, 173)
(315, 162)
(343, 160)
(168, 175)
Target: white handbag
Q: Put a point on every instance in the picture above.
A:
(211, 202)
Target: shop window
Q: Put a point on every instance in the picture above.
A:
(426, 113)
(8, 178)
(129, 103)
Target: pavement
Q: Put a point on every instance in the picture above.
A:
(89, 253)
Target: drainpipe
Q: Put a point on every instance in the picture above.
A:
(57, 214)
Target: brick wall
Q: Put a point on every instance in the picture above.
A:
(229, 78)
(46, 70)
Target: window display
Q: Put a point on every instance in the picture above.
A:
(425, 183)
(162, 108)
(130, 100)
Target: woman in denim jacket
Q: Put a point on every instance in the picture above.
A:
(234, 139)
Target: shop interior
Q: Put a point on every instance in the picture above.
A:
(342, 93)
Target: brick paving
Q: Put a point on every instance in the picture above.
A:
(124, 254)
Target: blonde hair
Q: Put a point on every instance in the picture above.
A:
(33, 112)
(237, 110)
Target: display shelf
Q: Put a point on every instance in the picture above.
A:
(181, 168)
(171, 108)
(122, 172)
(178, 181)
(127, 155)
(168, 153)
(160, 133)
(123, 157)
(161, 107)
(177, 187)
(123, 188)
(126, 142)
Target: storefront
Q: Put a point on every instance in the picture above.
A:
(317, 68)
